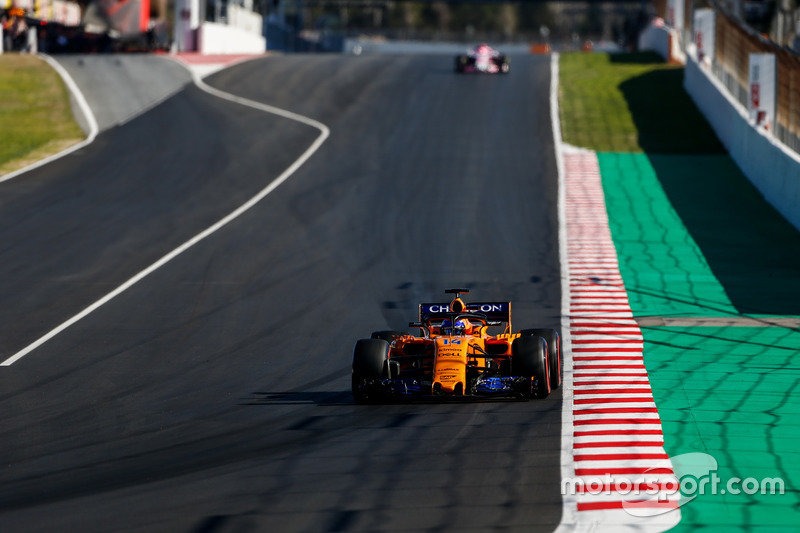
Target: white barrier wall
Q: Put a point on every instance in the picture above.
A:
(213, 38)
(241, 35)
(656, 39)
(245, 19)
(663, 40)
(770, 166)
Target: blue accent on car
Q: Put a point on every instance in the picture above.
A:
(403, 387)
(495, 384)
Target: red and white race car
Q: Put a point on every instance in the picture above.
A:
(483, 58)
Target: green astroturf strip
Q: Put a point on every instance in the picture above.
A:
(699, 239)
(731, 392)
(663, 268)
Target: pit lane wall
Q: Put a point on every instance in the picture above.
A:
(773, 168)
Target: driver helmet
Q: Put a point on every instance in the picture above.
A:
(463, 327)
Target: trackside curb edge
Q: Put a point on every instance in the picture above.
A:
(569, 509)
(616, 475)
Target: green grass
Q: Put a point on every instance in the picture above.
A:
(35, 115)
(629, 103)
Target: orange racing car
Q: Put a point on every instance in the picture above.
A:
(456, 357)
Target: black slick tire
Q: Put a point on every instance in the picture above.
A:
(529, 359)
(369, 362)
(553, 340)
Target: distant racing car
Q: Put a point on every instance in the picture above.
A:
(483, 58)
(456, 357)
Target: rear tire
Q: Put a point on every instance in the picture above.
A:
(553, 340)
(529, 359)
(369, 361)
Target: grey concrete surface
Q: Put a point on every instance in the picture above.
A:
(119, 87)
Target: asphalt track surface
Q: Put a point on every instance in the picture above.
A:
(214, 394)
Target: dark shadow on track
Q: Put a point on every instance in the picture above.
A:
(299, 397)
(751, 249)
(666, 118)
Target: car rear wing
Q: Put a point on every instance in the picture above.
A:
(494, 311)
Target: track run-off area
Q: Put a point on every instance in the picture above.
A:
(183, 295)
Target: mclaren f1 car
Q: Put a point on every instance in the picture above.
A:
(454, 356)
(483, 58)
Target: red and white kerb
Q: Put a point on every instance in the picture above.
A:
(623, 475)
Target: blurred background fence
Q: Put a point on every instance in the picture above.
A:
(749, 27)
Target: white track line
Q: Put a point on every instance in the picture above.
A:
(569, 513)
(324, 133)
(85, 109)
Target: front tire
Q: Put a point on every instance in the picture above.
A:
(369, 361)
(529, 359)
(503, 64)
(553, 340)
